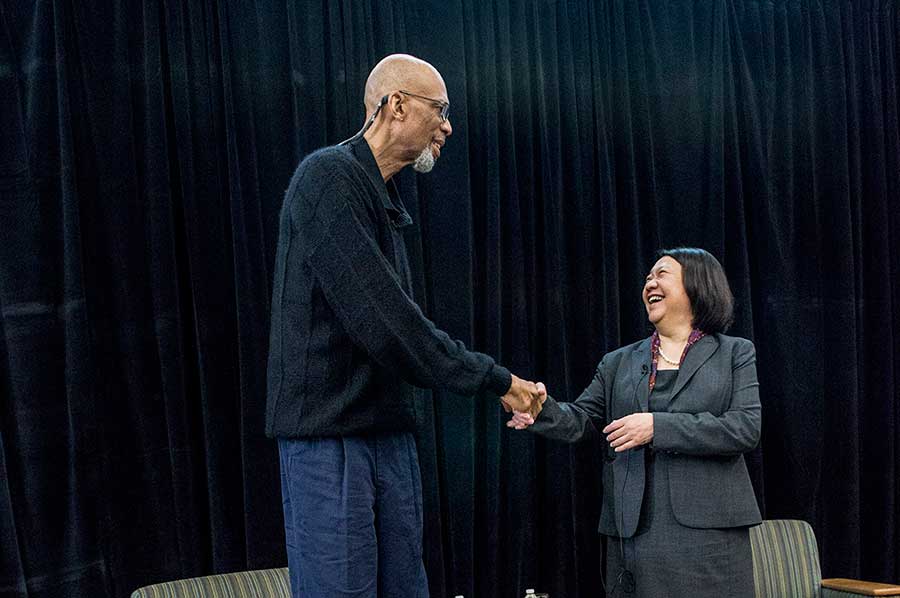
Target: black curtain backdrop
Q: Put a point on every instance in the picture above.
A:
(144, 152)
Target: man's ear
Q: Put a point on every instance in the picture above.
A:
(397, 105)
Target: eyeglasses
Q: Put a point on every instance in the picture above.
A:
(444, 106)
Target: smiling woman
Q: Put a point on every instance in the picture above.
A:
(702, 288)
(677, 497)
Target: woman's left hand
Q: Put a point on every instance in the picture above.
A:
(630, 431)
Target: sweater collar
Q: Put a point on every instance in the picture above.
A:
(387, 190)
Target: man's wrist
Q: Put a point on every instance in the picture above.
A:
(499, 380)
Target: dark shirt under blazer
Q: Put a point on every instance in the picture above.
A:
(347, 340)
(712, 418)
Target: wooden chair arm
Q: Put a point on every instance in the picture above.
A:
(866, 588)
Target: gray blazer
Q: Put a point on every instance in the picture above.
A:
(712, 418)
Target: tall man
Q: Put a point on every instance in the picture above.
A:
(348, 342)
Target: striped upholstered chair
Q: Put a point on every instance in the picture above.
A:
(786, 565)
(264, 583)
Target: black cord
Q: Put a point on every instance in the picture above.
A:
(368, 124)
(625, 578)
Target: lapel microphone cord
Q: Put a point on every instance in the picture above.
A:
(625, 578)
(368, 124)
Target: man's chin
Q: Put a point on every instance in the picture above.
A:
(425, 161)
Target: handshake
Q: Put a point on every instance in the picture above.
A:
(525, 399)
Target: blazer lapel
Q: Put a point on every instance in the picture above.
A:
(640, 373)
(696, 357)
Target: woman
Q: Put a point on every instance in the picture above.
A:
(678, 409)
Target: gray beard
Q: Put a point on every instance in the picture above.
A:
(425, 161)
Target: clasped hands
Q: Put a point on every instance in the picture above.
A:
(622, 434)
(524, 397)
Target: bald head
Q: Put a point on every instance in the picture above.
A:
(413, 124)
(400, 71)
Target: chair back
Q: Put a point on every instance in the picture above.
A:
(263, 583)
(785, 559)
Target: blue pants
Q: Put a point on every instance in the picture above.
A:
(353, 516)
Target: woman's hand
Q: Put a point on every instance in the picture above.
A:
(630, 431)
(521, 420)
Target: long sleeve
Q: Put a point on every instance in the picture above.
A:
(733, 432)
(573, 422)
(366, 296)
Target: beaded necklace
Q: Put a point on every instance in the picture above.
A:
(695, 336)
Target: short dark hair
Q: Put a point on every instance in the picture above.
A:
(706, 286)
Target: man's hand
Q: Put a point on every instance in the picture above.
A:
(630, 431)
(523, 396)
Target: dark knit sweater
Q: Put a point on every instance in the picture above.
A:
(347, 340)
